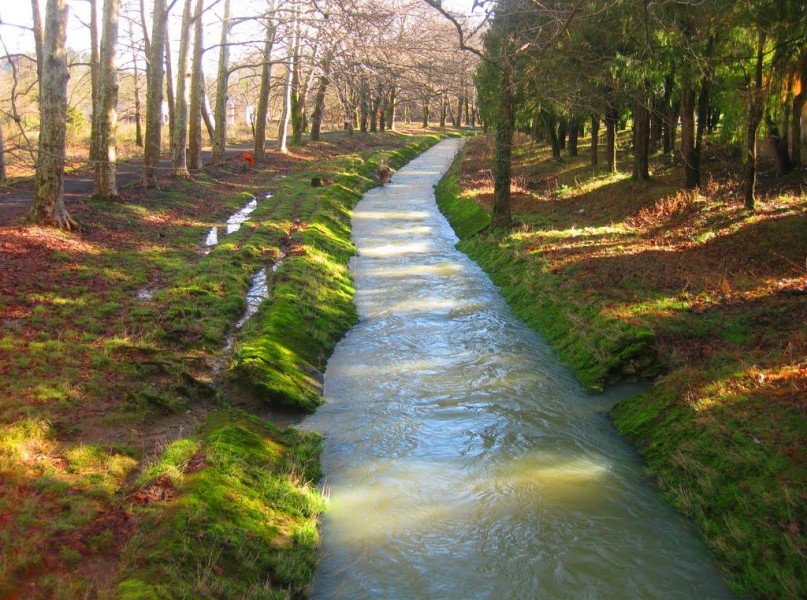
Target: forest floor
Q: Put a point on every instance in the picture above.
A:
(135, 450)
(15, 198)
(628, 278)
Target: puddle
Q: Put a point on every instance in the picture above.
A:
(146, 294)
(212, 237)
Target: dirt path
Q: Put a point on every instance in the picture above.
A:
(15, 200)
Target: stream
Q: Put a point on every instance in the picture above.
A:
(462, 459)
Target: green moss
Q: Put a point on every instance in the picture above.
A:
(242, 526)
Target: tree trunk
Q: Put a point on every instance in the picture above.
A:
(641, 148)
(574, 130)
(778, 145)
(319, 100)
(197, 95)
(305, 88)
(503, 145)
(595, 138)
(797, 109)
(611, 118)
(563, 131)
(179, 139)
(262, 113)
(107, 122)
(3, 172)
(204, 107)
(283, 130)
(154, 96)
(668, 117)
(39, 39)
(691, 164)
(426, 114)
(703, 117)
(656, 123)
(96, 153)
(138, 108)
(169, 90)
(296, 106)
(391, 100)
(443, 111)
(551, 129)
(48, 205)
(222, 81)
(756, 103)
(375, 109)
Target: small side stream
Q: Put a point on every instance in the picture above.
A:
(234, 222)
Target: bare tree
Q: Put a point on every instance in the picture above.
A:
(180, 133)
(283, 129)
(107, 116)
(197, 92)
(154, 94)
(262, 110)
(3, 173)
(48, 206)
(220, 113)
(95, 80)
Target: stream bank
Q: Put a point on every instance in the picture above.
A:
(714, 298)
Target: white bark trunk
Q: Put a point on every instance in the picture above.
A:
(283, 131)
(48, 206)
(266, 85)
(180, 137)
(197, 93)
(154, 95)
(220, 113)
(107, 122)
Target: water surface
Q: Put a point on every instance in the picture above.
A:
(462, 459)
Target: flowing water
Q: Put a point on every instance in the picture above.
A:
(462, 459)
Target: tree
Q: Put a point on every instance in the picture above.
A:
(154, 94)
(197, 94)
(262, 110)
(180, 133)
(48, 206)
(220, 112)
(107, 101)
(319, 100)
(288, 90)
(3, 173)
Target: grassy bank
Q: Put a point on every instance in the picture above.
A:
(643, 280)
(112, 432)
